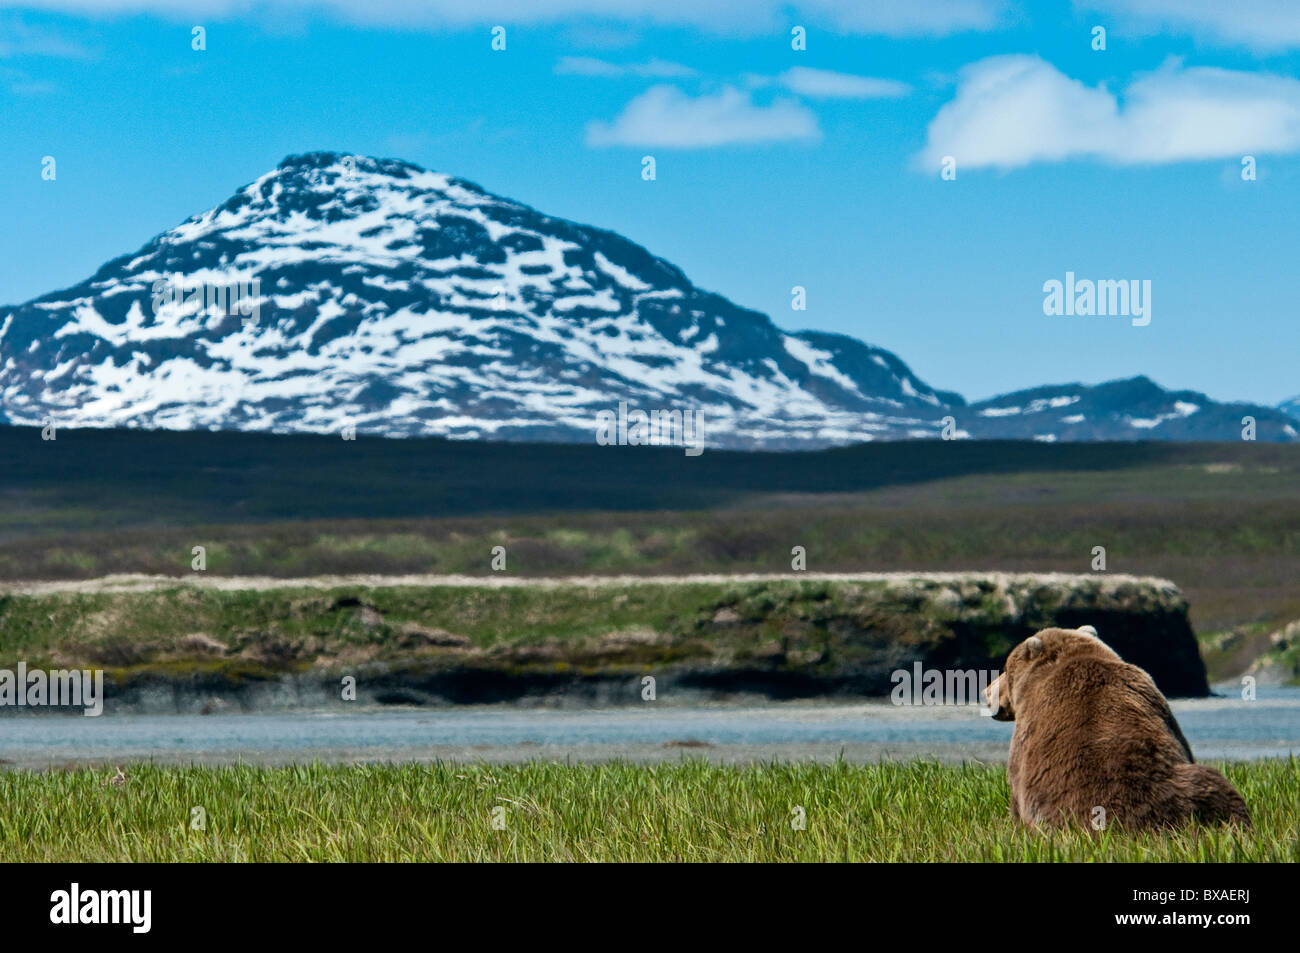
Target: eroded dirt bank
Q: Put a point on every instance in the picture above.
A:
(248, 643)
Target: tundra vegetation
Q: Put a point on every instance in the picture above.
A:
(1220, 520)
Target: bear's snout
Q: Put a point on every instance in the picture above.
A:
(993, 695)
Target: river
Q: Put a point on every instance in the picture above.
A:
(1217, 728)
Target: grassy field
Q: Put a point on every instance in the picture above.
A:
(1220, 520)
(114, 479)
(685, 811)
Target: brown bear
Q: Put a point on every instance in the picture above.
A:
(1096, 744)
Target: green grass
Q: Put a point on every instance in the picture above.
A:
(109, 479)
(33, 625)
(1222, 521)
(121, 630)
(684, 811)
(813, 627)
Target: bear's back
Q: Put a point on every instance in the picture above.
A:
(1092, 732)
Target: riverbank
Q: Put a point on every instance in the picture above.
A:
(210, 643)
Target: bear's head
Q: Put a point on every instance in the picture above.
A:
(1035, 655)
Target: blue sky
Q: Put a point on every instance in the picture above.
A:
(775, 167)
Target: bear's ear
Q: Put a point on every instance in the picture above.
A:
(1087, 630)
(1033, 647)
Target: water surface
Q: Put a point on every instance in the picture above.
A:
(1217, 728)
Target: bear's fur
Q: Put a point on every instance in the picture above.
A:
(1093, 732)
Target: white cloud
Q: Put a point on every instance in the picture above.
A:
(1257, 24)
(908, 17)
(19, 39)
(591, 66)
(887, 17)
(665, 117)
(1011, 111)
(826, 84)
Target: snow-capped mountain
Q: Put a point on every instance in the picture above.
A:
(376, 295)
(1120, 409)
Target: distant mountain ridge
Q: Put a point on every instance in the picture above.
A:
(399, 301)
(1119, 410)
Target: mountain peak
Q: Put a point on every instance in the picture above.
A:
(400, 301)
(340, 291)
(338, 168)
(316, 160)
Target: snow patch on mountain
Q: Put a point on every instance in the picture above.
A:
(398, 301)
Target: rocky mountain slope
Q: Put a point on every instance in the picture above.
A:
(341, 292)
